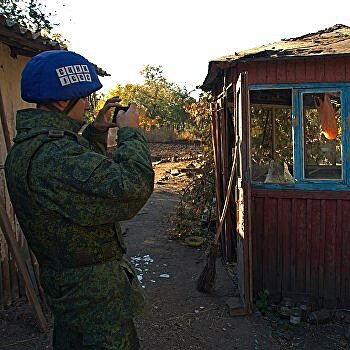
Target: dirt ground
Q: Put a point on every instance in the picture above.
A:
(177, 316)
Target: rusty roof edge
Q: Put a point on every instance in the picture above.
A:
(254, 57)
(213, 72)
(322, 31)
(299, 44)
(323, 43)
(216, 66)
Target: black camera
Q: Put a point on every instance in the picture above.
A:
(117, 109)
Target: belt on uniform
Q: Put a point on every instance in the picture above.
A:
(107, 252)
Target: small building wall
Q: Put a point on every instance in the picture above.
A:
(299, 234)
(301, 245)
(10, 77)
(10, 82)
(300, 239)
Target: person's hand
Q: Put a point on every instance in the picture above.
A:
(129, 118)
(102, 121)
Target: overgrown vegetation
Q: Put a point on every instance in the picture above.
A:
(165, 104)
(196, 209)
(161, 103)
(262, 301)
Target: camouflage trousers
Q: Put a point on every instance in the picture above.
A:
(94, 306)
(119, 337)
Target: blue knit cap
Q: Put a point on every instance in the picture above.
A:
(58, 75)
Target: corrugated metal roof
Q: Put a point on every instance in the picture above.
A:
(330, 41)
(22, 41)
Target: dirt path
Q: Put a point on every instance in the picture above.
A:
(177, 316)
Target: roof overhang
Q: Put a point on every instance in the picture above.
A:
(330, 42)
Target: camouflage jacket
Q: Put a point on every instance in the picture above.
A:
(69, 197)
(67, 194)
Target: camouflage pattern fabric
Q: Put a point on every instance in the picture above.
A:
(69, 197)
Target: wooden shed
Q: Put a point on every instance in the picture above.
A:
(17, 45)
(286, 108)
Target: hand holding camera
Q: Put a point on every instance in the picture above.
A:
(127, 116)
(122, 116)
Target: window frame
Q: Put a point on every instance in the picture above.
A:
(298, 136)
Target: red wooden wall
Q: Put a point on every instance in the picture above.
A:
(300, 239)
(301, 245)
(296, 70)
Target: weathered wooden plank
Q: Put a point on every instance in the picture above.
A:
(300, 74)
(335, 69)
(310, 70)
(225, 176)
(2, 300)
(279, 258)
(292, 247)
(290, 71)
(6, 281)
(308, 245)
(281, 73)
(4, 123)
(345, 256)
(261, 192)
(347, 70)
(9, 235)
(322, 244)
(13, 279)
(284, 233)
(271, 72)
(257, 242)
(315, 220)
(339, 249)
(299, 229)
(260, 70)
(329, 287)
(319, 69)
(270, 248)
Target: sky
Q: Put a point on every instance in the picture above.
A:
(182, 36)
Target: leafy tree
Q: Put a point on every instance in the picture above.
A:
(161, 102)
(262, 135)
(28, 13)
(199, 121)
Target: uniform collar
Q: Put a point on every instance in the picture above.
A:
(35, 118)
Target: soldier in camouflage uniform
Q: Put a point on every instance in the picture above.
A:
(69, 197)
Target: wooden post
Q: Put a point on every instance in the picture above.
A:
(4, 124)
(13, 245)
(273, 116)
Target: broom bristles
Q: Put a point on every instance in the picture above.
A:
(206, 280)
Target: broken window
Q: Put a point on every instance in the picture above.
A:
(271, 135)
(322, 135)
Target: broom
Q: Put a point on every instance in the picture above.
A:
(206, 280)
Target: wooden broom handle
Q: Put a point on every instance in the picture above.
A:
(227, 197)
